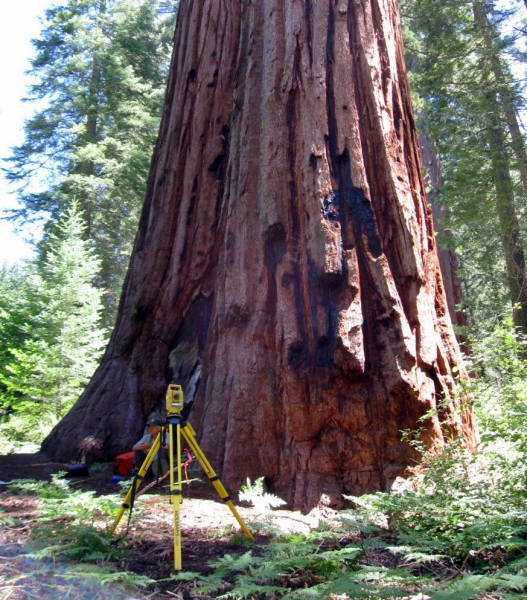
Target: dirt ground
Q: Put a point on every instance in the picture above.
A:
(207, 527)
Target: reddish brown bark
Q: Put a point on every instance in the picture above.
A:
(285, 258)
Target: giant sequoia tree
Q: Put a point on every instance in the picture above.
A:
(285, 269)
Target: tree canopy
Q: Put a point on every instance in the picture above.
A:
(462, 73)
(99, 75)
(100, 69)
(52, 337)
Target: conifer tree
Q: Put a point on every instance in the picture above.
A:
(16, 312)
(472, 101)
(63, 337)
(285, 259)
(101, 66)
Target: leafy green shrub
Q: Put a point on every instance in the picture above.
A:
(501, 405)
(459, 509)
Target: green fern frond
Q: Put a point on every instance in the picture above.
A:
(52, 551)
(348, 585)
(378, 582)
(317, 591)
(255, 494)
(104, 577)
(266, 572)
(293, 563)
(347, 554)
(183, 576)
(456, 595)
(518, 565)
(229, 563)
(419, 558)
(256, 488)
(513, 582)
(466, 588)
(247, 589)
(280, 549)
(95, 556)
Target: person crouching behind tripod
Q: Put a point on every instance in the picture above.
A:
(160, 463)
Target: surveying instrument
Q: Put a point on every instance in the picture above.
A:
(177, 426)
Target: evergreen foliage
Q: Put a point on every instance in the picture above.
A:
(53, 335)
(465, 86)
(71, 527)
(459, 529)
(456, 530)
(16, 314)
(100, 68)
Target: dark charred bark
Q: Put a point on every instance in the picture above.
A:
(285, 270)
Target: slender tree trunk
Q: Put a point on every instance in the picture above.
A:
(285, 269)
(508, 219)
(87, 167)
(447, 258)
(506, 205)
(504, 89)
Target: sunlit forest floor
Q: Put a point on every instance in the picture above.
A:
(209, 532)
(54, 543)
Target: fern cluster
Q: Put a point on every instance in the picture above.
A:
(70, 547)
(459, 526)
(72, 523)
(457, 534)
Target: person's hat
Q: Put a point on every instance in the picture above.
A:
(156, 422)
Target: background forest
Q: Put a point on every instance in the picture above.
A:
(101, 67)
(99, 73)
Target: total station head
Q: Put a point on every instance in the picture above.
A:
(174, 399)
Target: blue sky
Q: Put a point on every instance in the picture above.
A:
(18, 24)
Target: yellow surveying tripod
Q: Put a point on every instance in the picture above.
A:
(177, 425)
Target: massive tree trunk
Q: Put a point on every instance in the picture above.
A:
(285, 270)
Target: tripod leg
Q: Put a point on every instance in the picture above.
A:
(190, 436)
(137, 481)
(175, 491)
